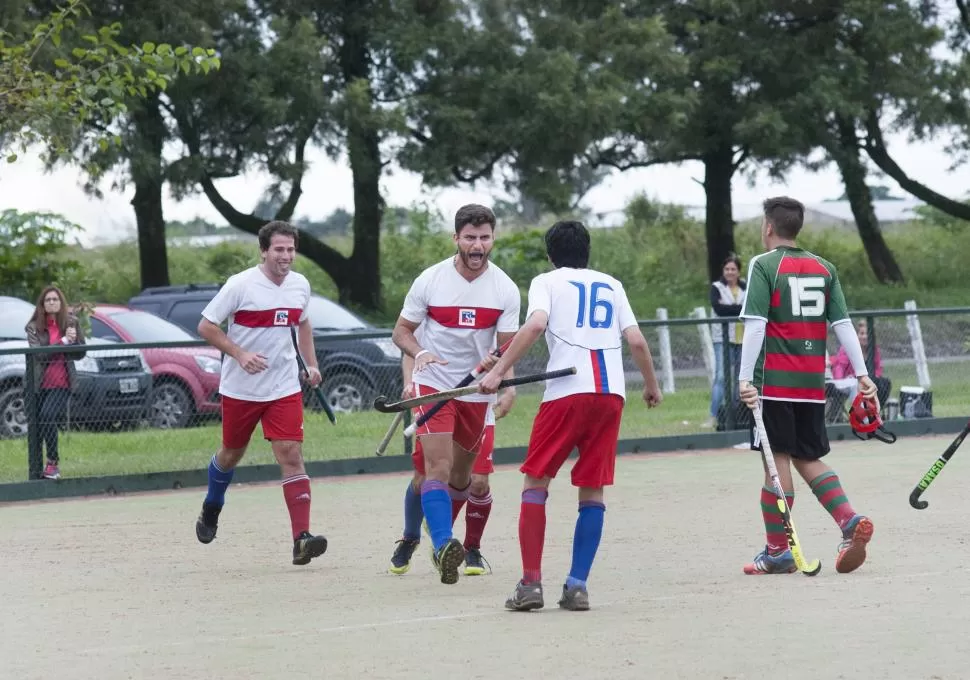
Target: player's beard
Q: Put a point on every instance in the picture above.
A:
(474, 264)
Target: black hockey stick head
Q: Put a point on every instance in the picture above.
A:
(914, 499)
(381, 404)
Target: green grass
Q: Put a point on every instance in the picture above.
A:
(88, 454)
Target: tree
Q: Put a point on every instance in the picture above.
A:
(32, 254)
(55, 82)
(452, 90)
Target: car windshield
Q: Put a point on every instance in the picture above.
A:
(14, 315)
(145, 327)
(327, 315)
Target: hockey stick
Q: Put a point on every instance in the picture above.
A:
(382, 405)
(793, 542)
(390, 433)
(316, 389)
(467, 380)
(936, 468)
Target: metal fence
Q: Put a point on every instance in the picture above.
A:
(155, 407)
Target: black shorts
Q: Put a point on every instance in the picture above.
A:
(793, 427)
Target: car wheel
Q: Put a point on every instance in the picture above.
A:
(13, 413)
(171, 406)
(347, 393)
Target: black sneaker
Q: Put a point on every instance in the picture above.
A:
(401, 559)
(208, 522)
(525, 597)
(475, 564)
(308, 546)
(447, 560)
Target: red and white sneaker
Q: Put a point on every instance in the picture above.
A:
(52, 471)
(852, 549)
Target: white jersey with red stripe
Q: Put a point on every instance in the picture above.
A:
(588, 312)
(259, 314)
(460, 320)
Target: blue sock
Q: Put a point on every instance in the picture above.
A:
(436, 503)
(586, 540)
(413, 513)
(219, 481)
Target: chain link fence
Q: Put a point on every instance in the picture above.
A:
(155, 407)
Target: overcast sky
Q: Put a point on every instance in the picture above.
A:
(24, 186)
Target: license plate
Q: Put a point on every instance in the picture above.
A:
(128, 385)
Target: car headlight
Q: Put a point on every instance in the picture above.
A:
(208, 364)
(387, 346)
(86, 365)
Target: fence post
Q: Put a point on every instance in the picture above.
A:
(35, 457)
(871, 348)
(729, 370)
(919, 350)
(707, 344)
(666, 357)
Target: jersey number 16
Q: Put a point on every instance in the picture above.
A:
(595, 305)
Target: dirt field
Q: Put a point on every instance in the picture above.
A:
(120, 588)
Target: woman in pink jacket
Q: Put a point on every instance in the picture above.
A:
(842, 367)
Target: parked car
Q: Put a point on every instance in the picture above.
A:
(186, 380)
(113, 387)
(355, 370)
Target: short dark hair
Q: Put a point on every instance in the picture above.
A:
(274, 228)
(475, 215)
(732, 257)
(567, 244)
(786, 215)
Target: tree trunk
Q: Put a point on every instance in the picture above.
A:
(147, 176)
(362, 286)
(845, 152)
(719, 217)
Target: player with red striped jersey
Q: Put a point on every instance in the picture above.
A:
(793, 297)
(464, 306)
(260, 380)
(585, 316)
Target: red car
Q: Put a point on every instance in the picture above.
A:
(185, 380)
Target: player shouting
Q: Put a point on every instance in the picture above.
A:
(467, 305)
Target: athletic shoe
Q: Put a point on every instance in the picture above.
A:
(401, 559)
(525, 597)
(308, 546)
(208, 522)
(447, 559)
(766, 563)
(852, 549)
(575, 599)
(51, 471)
(475, 564)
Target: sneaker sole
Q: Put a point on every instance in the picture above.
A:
(574, 606)
(204, 539)
(400, 570)
(527, 606)
(474, 571)
(315, 547)
(758, 572)
(452, 557)
(853, 557)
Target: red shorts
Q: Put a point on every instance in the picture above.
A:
(483, 461)
(463, 420)
(589, 422)
(282, 419)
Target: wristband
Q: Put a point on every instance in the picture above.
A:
(424, 351)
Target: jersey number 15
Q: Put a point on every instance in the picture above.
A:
(807, 296)
(603, 309)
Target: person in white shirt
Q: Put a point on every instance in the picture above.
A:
(585, 316)
(260, 380)
(464, 306)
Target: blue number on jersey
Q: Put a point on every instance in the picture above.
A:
(605, 306)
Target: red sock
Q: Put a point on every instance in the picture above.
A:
(458, 498)
(296, 491)
(476, 516)
(532, 533)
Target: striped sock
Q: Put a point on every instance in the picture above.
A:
(776, 538)
(476, 516)
(828, 490)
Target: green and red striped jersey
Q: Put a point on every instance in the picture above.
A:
(798, 294)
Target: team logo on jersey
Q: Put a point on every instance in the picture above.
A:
(282, 317)
(466, 317)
